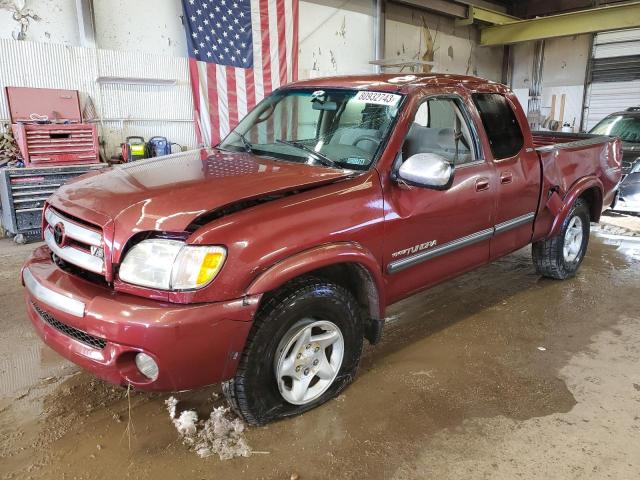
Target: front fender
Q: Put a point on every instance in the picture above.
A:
(575, 192)
(315, 258)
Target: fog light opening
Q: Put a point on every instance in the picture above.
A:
(147, 366)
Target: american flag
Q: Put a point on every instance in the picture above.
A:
(239, 52)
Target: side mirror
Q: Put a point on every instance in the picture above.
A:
(428, 170)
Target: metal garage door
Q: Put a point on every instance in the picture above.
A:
(615, 74)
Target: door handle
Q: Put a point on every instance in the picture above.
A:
(506, 177)
(482, 184)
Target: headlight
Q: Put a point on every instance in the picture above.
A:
(171, 264)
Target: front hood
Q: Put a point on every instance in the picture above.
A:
(168, 193)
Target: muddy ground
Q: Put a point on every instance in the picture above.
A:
(497, 374)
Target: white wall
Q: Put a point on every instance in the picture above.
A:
(409, 34)
(145, 38)
(124, 109)
(58, 22)
(142, 25)
(335, 39)
(565, 60)
(336, 36)
(152, 26)
(564, 70)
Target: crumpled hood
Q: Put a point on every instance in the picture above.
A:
(168, 193)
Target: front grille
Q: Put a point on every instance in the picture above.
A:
(76, 243)
(79, 272)
(72, 332)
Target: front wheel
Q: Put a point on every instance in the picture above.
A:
(559, 257)
(303, 349)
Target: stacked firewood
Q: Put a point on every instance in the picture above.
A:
(9, 151)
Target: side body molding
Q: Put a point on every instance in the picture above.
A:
(324, 256)
(576, 190)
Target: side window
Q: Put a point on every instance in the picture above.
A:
(440, 127)
(500, 123)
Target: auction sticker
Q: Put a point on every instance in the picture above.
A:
(378, 98)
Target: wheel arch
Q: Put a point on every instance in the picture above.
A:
(593, 197)
(588, 188)
(347, 264)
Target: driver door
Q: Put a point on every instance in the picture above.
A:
(433, 234)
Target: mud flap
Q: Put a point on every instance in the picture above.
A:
(373, 330)
(555, 203)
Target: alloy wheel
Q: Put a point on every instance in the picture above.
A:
(308, 360)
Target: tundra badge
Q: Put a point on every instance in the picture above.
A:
(415, 248)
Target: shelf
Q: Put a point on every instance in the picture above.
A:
(137, 81)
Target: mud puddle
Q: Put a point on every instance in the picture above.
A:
(626, 241)
(452, 360)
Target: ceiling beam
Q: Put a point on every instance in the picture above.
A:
(486, 15)
(442, 7)
(498, 7)
(613, 17)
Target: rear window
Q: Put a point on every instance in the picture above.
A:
(500, 123)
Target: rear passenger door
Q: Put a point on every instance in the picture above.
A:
(517, 167)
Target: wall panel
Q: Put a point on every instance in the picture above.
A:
(146, 110)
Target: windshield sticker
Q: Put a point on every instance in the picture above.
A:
(377, 98)
(356, 161)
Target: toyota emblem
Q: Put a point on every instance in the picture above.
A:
(58, 234)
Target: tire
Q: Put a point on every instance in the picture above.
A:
(550, 256)
(254, 393)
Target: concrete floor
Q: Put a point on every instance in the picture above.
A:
(498, 374)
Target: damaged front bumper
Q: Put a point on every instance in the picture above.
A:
(103, 331)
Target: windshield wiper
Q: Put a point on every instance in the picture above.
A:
(247, 146)
(317, 156)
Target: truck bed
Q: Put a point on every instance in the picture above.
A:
(568, 158)
(544, 141)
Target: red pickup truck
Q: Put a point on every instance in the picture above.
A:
(265, 261)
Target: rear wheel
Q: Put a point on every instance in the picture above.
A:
(559, 257)
(303, 349)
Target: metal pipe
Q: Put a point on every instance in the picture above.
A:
(86, 23)
(535, 89)
(507, 66)
(587, 86)
(379, 32)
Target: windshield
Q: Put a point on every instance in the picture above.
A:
(337, 128)
(626, 127)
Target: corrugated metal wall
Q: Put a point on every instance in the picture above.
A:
(615, 74)
(125, 109)
(618, 43)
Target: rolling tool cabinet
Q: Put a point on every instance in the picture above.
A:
(23, 192)
(47, 125)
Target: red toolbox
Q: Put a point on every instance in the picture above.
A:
(63, 141)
